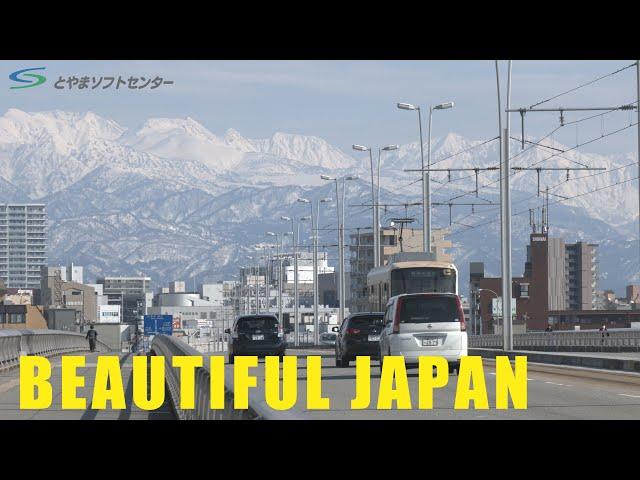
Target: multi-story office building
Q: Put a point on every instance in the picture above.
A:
(133, 294)
(23, 244)
(392, 241)
(56, 293)
(558, 278)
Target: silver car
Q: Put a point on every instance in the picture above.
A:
(424, 324)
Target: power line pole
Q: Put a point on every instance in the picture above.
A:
(505, 213)
(638, 92)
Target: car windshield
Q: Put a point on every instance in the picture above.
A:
(252, 324)
(365, 320)
(428, 309)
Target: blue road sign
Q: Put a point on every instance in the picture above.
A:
(158, 324)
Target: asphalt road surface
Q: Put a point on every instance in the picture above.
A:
(551, 396)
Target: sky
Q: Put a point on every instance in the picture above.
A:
(344, 102)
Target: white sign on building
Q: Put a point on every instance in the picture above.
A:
(108, 313)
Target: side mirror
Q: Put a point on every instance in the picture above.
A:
(335, 329)
(227, 330)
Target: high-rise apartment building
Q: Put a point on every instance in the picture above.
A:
(23, 244)
(558, 277)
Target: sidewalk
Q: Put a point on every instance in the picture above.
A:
(10, 396)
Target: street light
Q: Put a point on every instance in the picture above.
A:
(296, 301)
(388, 148)
(426, 177)
(314, 235)
(375, 198)
(340, 211)
(278, 248)
(374, 231)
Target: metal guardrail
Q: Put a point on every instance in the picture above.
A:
(565, 341)
(46, 343)
(168, 347)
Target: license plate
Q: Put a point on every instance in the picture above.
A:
(257, 337)
(374, 338)
(429, 342)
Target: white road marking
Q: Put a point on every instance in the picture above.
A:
(493, 373)
(627, 395)
(553, 383)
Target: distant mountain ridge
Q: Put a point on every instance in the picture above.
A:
(173, 200)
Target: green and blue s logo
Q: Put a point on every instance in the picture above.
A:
(33, 81)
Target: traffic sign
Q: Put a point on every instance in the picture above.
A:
(496, 307)
(158, 324)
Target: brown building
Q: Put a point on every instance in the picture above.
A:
(557, 277)
(21, 317)
(633, 294)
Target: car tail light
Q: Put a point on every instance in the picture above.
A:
(396, 319)
(463, 325)
(353, 331)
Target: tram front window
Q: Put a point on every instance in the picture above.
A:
(423, 280)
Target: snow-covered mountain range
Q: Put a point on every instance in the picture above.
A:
(173, 200)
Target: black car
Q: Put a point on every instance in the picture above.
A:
(358, 335)
(259, 335)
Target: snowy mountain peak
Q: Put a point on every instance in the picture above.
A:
(174, 126)
(307, 149)
(233, 138)
(65, 131)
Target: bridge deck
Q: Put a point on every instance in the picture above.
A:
(551, 396)
(10, 396)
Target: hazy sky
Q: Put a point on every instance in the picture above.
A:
(344, 102)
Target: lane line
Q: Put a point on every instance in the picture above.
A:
(627, 395)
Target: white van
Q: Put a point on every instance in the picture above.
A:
(424, 324)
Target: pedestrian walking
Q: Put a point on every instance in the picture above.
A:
(92, 336)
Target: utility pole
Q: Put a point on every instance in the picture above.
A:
(638, 110)
(506, 229)
(505, 212)
(314, 233)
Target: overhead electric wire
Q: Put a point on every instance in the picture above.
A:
(488, 222)
(584, 85)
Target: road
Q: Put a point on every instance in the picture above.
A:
(551, 396)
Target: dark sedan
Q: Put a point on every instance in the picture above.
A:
(359, 334)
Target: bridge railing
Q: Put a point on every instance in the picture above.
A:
(46, 343)
(616, 341)
(168, 347)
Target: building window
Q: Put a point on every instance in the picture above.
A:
(524, 290)
(16, 318)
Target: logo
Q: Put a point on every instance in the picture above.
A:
(33, 81)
